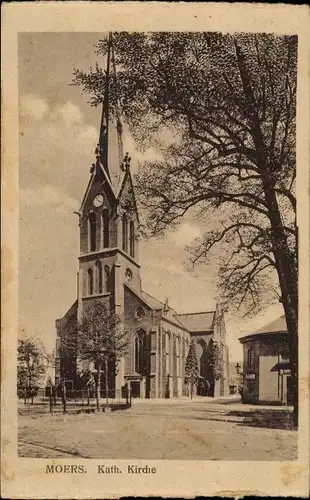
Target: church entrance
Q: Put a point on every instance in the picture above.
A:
(139, 386)
(135, 388)
(204, 388)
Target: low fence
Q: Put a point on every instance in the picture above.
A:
(74, 401)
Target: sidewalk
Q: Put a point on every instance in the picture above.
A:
(233, 398)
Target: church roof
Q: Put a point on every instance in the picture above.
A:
(170, 314)
(197, 322)
(276, 326)
(155, 304)
(152, 301)
(193, 322)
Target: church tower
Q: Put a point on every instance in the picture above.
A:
(109, 273)
(108, 219)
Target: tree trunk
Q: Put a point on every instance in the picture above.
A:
(286, 261)
(98, 385)
(286, 264)
(106, 383)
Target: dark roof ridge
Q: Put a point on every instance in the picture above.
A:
(147, 293)
(200, 312)
(162, 303)
(140, 297)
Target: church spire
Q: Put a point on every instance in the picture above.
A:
(102, 148)
(109, 151)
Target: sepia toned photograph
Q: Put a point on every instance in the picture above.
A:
(159, 212)
(155, 229)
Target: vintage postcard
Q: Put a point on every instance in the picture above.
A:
(155, 250)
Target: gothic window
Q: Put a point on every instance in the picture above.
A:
(183, 355)
(90, 287)
(201, 347)
(106, 279)
(92, 232)
(177, 348)
(140, 352)
(99, 277)
(125, 233)
(132, 239)
(167, 342)
(105, 228)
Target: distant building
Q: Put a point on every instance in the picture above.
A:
(48, 378)
(109, 273)
(266, 365)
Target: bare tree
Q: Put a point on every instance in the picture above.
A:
(228, 105)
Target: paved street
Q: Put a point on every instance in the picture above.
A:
(195, 430)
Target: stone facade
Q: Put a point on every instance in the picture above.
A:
(109, 273)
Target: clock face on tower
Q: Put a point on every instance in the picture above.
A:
(98, 200)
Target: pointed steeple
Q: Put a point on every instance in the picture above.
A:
(109, 151)
(166, 306)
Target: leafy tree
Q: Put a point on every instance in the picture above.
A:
(30, 367)
(191, 368)
(99, 337)
(227, 103)
(214, 363)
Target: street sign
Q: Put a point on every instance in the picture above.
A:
(249, 376)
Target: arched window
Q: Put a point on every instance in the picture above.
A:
(90, 285)
(105, 229)
(99, 277)
(183, 355)
(132, 239)
(140, 352)
(106, 279)
(125, 233)
(201, 356)
(167, 342)
(92, 232)
(177, 348)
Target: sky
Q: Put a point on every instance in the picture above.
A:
(58, 135)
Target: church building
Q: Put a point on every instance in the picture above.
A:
(109, 273)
